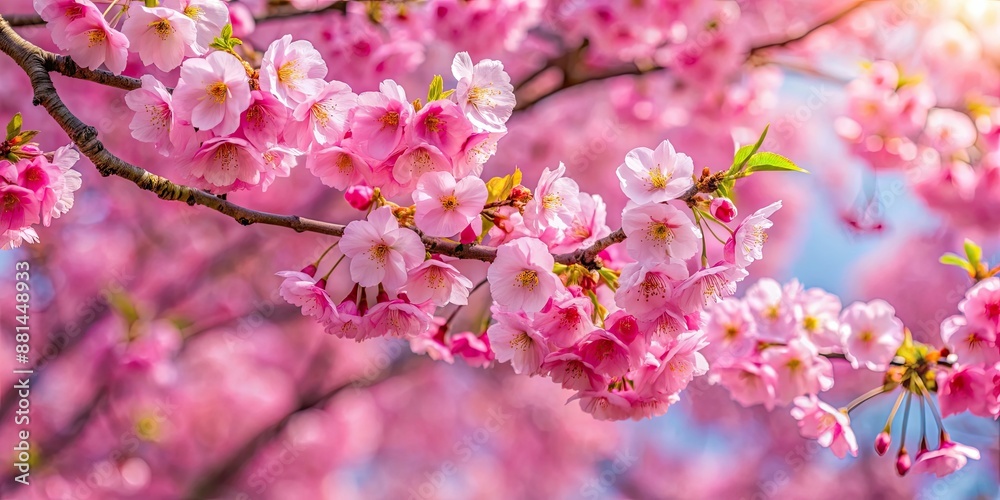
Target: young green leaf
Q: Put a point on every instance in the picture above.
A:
(436, 88)
(744, 153)
(773, 162)
(14, 126)
(974, 252)
(951, 259)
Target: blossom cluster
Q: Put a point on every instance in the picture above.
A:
(34, 188)
(973, 382)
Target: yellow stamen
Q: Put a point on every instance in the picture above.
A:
(527, 279)
(218, 91)
(162, 28)
(449, 202)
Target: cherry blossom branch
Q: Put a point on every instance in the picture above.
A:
(37, 64)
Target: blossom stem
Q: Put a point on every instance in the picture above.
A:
(923, 424)
(930, 401)
(906, 420)
(110, 6)
(717, 221)
(865, 397)
(335, 264)
(459, 308)
(704, 244)
(320, 259)
(892, 414)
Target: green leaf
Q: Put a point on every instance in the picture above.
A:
(499, 188)
(974, 252)
(152, 3)
(487, 225)
(954, 260)
(771, 162)
(743, 154)
(14, 126)
(27, 135)
(436, 88)
(447, 93)
(234, 42)
(725, 189)
(227, 32)
(609, 277)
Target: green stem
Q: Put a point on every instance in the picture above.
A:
(906, 420)
(930, 401)
(320, 259)
(459, 308)
(865, 397)
(892, 414)
(328, 273)
(704, 246)
(717, 221)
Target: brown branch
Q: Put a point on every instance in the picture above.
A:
(826, 22)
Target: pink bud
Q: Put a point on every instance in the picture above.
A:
(360, 197)
(321, 284)
(310, 270)
(471, 232)
(903, 462)
(882, 442)
(723, 209)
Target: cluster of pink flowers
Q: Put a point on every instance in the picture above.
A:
(973, 382)
(35, 190)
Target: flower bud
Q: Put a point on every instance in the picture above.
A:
(360, 197)
(242, 20)
(723, 209)
(471, 232)
(520, 193)
(310, 270)
(903, 462)
(882, 442)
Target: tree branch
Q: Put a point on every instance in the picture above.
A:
(37, 63)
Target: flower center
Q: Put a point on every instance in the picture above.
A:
(433, 123)
(9, 201)
(810, 323)
(96, 37)
(731, 332)
(162, 28)
(527, 279)
(659, 231)
(390, 119)
(225, 156)
(193, 12)
(449, 202)
(345, 165)
(481, 95)
(379, 252)
(657, 179)
(652, 286)
(289, 72)
(867, 336)
(794, 364)
(321, 113)
(218, 92)
(993, 310)
(772, 312)
(551, 201)
(521, 342)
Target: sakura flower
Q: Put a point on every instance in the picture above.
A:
(982, 303)
(346, 322)
(441, 124)
(521, 277)
(438, 282)
(379, 121)
(360, 197)
(748, 380)
(301, 289)
(773, 308)
(643, 291)
(817, 318)
(588, 225)
(484, 92)
(475, 350)
(964, 388)
(264, 120)
(872, 333)
(417, 161)
(975, 343)
(731, 330)
(161, 36)
(64, 181)
(209, 17)
(948, 458)
(606, 353)
(830, 427)
(396, 318)
(566, 321)
(58, 14)
(513, 339)
(337, 167)
(212, 92)
(569, 370)
(799, 369)
(657, 232)
(292, 71)
(654, 176)
(476, 151)
(555, 202)
(723, 209)
(321, 117)
(949, 130)
(381, 251)
(20, 207)
(747, 243)
(278, 162)
(708, 285)
(92, 42)
(432, 342)
(227, 164)
(445, 206)
(154, 117)
(603, 405)
(680, 364)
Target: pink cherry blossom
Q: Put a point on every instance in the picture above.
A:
(444, 206)
(337, 167)
(747, 243)
(654, 176)
(484, 92)
(604, 405)
(773, 308)
(566, 321)
(588, 225)
(212, 92)
(264, 120)
(723, 209)
(799, 369)
(948, 458)
(380, 120)
(321, 117)
(949, 130)
(58, 14)
(161, 36)
(817, 317)
(514, 340)
(606, 353)
(154, 117)
(749, 380)
(417, 161)
(475, 350)
(380, 250)
(521, 277)
(708, 285)
(680, 364)
(555, 201)
(976, 343)
(829, 426)
(346, 322)
(92, 42)
(292, 71)
(657, 232)
(227, 164)
(965, 388)
(731, 330)
(572, 372)
(395, 318)
(872, 333)
(438, 282)
(643, 291)
(20, 207)
(982, 303)
(441, 124)
(301, 289)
